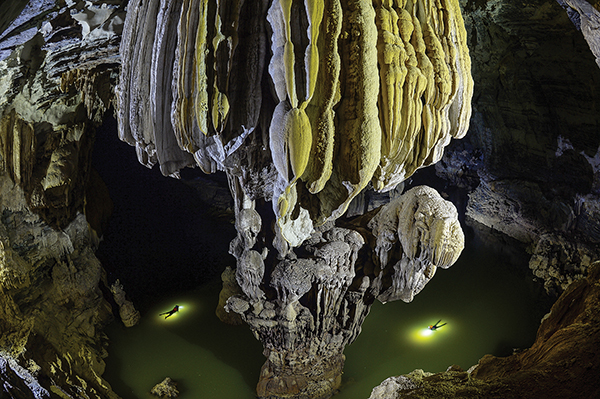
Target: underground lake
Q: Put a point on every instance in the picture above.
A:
(488, 300)
(168, 248)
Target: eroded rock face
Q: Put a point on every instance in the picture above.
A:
(585, 15)
(55, 86)
(531, 155)
(53, 311)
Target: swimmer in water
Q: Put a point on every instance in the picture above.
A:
(437, 325)
(170, 312)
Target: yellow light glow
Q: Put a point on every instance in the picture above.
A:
(426, 332)
(186, 309)
(421, 334)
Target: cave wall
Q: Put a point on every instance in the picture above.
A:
(531, 149)
(58, 69)
(531, 155)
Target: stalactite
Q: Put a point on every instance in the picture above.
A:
(352, 93)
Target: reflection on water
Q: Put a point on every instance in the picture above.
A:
(488, 304)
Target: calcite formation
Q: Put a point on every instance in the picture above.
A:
(304, 104)
(429, 234)
(313, 306)
(395, 86)
(55, 85)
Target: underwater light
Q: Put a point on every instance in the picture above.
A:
(432, 334)
(426, 332)
(183, 309)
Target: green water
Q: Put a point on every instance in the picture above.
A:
(490, 305)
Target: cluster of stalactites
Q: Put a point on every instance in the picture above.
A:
(185, 65)
(364, 91)
(394, 88)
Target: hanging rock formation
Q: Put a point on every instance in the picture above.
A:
(304, 104)
(428, 231)
(396, 87)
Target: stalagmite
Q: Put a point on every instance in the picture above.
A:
(351, 94)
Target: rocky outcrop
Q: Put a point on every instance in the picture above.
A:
(585, 15)
(56, 85)
(130, 316)
(53, 310)
(562, 362)
(18, 382)
(167, 388)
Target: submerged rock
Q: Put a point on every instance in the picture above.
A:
(165, 389)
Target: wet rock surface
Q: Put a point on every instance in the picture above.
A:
(167, 388)
(56, 84)
(530, 157)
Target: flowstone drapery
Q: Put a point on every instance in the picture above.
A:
(314, 305)
(304, 104)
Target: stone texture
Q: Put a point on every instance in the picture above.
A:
(430, 236)
(315, 302)
(288, 134)
(531, 155)
(585, 15)
(18, 382)
(52, 306)
(56, 83)
(130, 316)
(199, 87)
(165, 389)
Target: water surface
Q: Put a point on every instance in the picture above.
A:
(489, 303)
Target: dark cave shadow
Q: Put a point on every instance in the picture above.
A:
(161, 237)
(161, 240)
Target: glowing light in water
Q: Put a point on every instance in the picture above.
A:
(426, 332)
(422, 334)
(184, 311)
